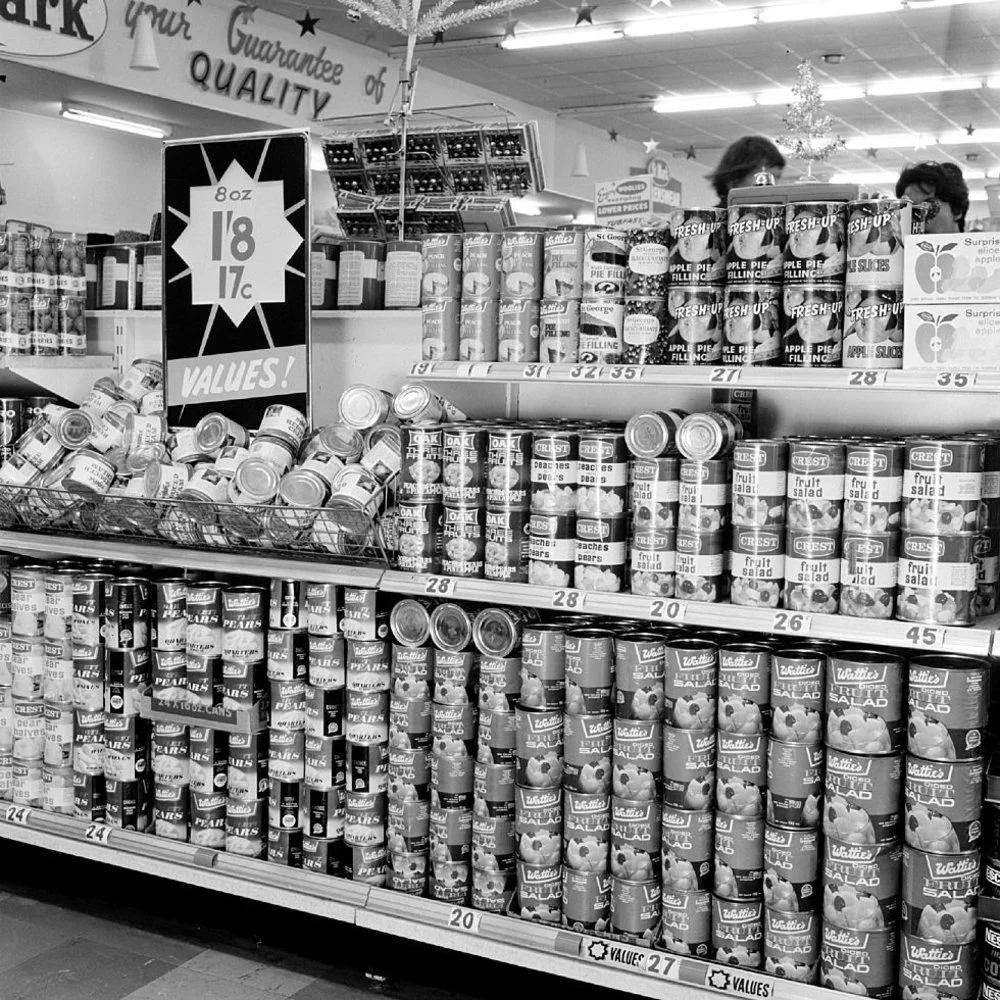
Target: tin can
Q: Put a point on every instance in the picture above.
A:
(587, 753)
(27, 785)
(27, 597)
(439, 339)
(695, 320)
(463, 542)
(989, 940)
(602, 471)
(791, 945)
(739, 856)
(559, 331)
(589, 664)
(518, 330)
(464, 459)
(812, 571)
(506, 548)
(419, 536)
(539, 892)
(508, 467)
(441, 265)
(600, 551)
(791, 869)
(815, 485)
(481, 265)
(686, 927)
(862, 798)
(738, 932)
(700, 566)
(602, 324)
(539, 748)
(873, 487)
(644, 331)
(943, 805)
(704, 496)
(366, 716)
(586, 900)
(794, 784)
(757, 566)
(816, 242)
(635, 907)
(940, 896)
(687, 846)
(864, 701)
(861, 884)
(648, 264)
(698, 246)
(876, 229)
(947, 969)
(710, 435)
(756, 244)
(639, 671)
(521, 255)
(287, 654)
(741, 774)
(942, 486)
(554, 471)
(326, 770)
(552, 548)
(859, 961)
(873, 328)
(421, 466)
(653, 562)
(936, 578)
(605, 260)
(479, 322)
(403, 274)
(744, 688)
(752, 325)
(640, 748)
(562, 264)
(797, 695)
(813, 326)
(690, 683)
(947, 699)
(361, 277)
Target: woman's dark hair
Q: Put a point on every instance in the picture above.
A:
(946, 182)
(752, 152)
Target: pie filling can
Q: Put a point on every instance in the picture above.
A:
(752, 325)
(439, 330)
(602, 323)
(815, 242)
(698, 247)
(479, 325)
(562, 264)
(695, 321)
(876, 229)
(756, 244)
(873, 328)
(559, 331)
(605, 263)
(481, 266)
(813, 326)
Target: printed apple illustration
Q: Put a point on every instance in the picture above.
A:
(935, 337)
(934, 266)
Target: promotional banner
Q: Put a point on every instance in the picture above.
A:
(236, 300)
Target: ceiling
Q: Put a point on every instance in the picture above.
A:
(576, 80)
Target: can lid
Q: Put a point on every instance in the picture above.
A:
(256, 480)
(384, 432)
(494, 632)
(211, 431)
(361, 407)
(648, 435)
(451, 628)
(700, 437)
(410, 622)
(302, 488)
(138, 461)
(411, 401)
(343, 441)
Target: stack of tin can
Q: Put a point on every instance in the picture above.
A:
(602, 311)
(695, 298)
(988, 544)
(562, 288)
(479, 316)
(644, 338)
(6, 685)
(508, 498)
(441, 285)
(654, 481)
(752, 305)
(943, 798)
(325, 745)
(521, 258)
(554, 472)
(601, 549)
(173, 812)
(463, 517)
(365, 627)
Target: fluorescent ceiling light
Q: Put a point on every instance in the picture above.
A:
(820, 10)
(961, 137)
(842, 93)
(679, 24)
(885, 178)
(106, 118)
(525, 206)
(923, 85)
(897, 140)
(564, 36)
(702, 102)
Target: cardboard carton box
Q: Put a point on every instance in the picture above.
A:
(953, 267)
(952, 335)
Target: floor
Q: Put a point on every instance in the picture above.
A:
(74, 930)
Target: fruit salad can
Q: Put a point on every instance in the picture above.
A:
(756, 244)
(695, 320)
(691, 677)
(937, 578)
(943, 805)
(698, 246)
(637, 760)
(794, 784)
(752, 325)
(873, 328)
(942, 485)
(463, 452)
(791, 869)
(876, 229)
(812, 571)
(655, 493)
(587, 753)
(864, 701)
(559, 331)
(859, 961)
(589, 670)
(539, 748)
(940, 895)
(744, 688)
(812, 330)
(639, 674)
(740, 774)
(704, 495)
(562, 264)
(868, 571)
(738, 932)
(605, 260)
(757, 567)
(635, 838)
(543, 670)
(492, 890)
(586, 900)
(686, 927)
(700, 566)
(873, 487)
(863, 795)
(947, 700)
(653, 562)
(791, 945)
(602, 324)
(936, 968)
(440, 323)
(539, 892)
(861, 884)
(688, 768)
(687, 845)
(739, 857)
(481, 266)
(635, 908)
(816, 242)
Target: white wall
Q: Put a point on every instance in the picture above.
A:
(77, 177)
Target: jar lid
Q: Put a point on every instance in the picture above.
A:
(256, 481)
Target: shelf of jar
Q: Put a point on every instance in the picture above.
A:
(711, 377)
(914, 636)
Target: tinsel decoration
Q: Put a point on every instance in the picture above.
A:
(405, 17)
(808, 131)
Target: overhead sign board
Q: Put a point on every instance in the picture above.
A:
(51, 27)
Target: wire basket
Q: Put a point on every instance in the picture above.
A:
(342, 534)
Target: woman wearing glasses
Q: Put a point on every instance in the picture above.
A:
(943, 189)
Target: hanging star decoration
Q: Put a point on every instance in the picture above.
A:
(651, 144)
(872, 154)
(247, 11)
(970, 129)
(308, 24)
(508, 29)
(585, 12)
(690, 153)
(613, 134)
(405, 17)
(439, 38)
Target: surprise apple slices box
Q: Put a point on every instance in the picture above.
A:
(952, 335)
(952, 267)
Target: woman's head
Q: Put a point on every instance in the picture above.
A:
(743, 160)
(943, 188)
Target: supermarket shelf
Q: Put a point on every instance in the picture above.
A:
(322, 314)
(627, 968)
(222, 562)
(70, 378)
(975, 641)
(710, 377)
